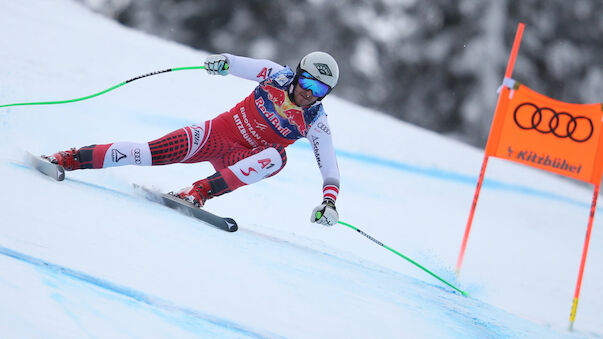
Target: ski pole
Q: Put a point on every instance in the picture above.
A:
(105, 91)
(403, 256)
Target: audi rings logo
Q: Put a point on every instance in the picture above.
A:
(323, 128)
(545, 120)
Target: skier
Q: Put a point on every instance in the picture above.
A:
(247, 143)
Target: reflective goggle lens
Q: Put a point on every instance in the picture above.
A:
(308, 82)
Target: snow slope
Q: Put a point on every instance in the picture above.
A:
(88, 258)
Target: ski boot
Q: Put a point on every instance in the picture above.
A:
(197, 194)
(66, 159)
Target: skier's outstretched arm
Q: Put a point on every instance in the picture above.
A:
(321, 140)
(242, 67)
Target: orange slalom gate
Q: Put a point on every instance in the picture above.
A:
(555, 136)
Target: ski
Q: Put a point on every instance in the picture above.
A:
(46, 167)
(57, 173)
(186, 208)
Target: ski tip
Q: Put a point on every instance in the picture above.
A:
(60, 174)
(231, 225)
(44, 166)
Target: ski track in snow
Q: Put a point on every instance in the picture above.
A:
(204, 323)
(53, 275)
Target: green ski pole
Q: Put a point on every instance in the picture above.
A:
(105, 91)
(319, 215)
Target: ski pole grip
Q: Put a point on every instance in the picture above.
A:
(318, 215)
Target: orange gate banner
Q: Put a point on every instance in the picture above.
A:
(548, 134)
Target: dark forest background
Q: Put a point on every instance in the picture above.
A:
(433, 63)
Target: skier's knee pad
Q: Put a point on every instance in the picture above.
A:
(260, 165)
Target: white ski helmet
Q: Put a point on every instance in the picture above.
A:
(321, 66)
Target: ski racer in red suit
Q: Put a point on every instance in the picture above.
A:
(247, 143)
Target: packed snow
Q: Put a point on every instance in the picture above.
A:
(87, 257)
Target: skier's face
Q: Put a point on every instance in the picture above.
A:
(303, 97)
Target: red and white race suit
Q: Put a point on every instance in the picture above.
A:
(246, 143)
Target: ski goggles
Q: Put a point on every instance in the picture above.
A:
(308, 82)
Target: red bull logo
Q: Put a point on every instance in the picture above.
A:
(277, 96)
(284, 108)
(296, 118)
(271, 117)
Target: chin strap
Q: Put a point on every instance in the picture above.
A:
(291, 89)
